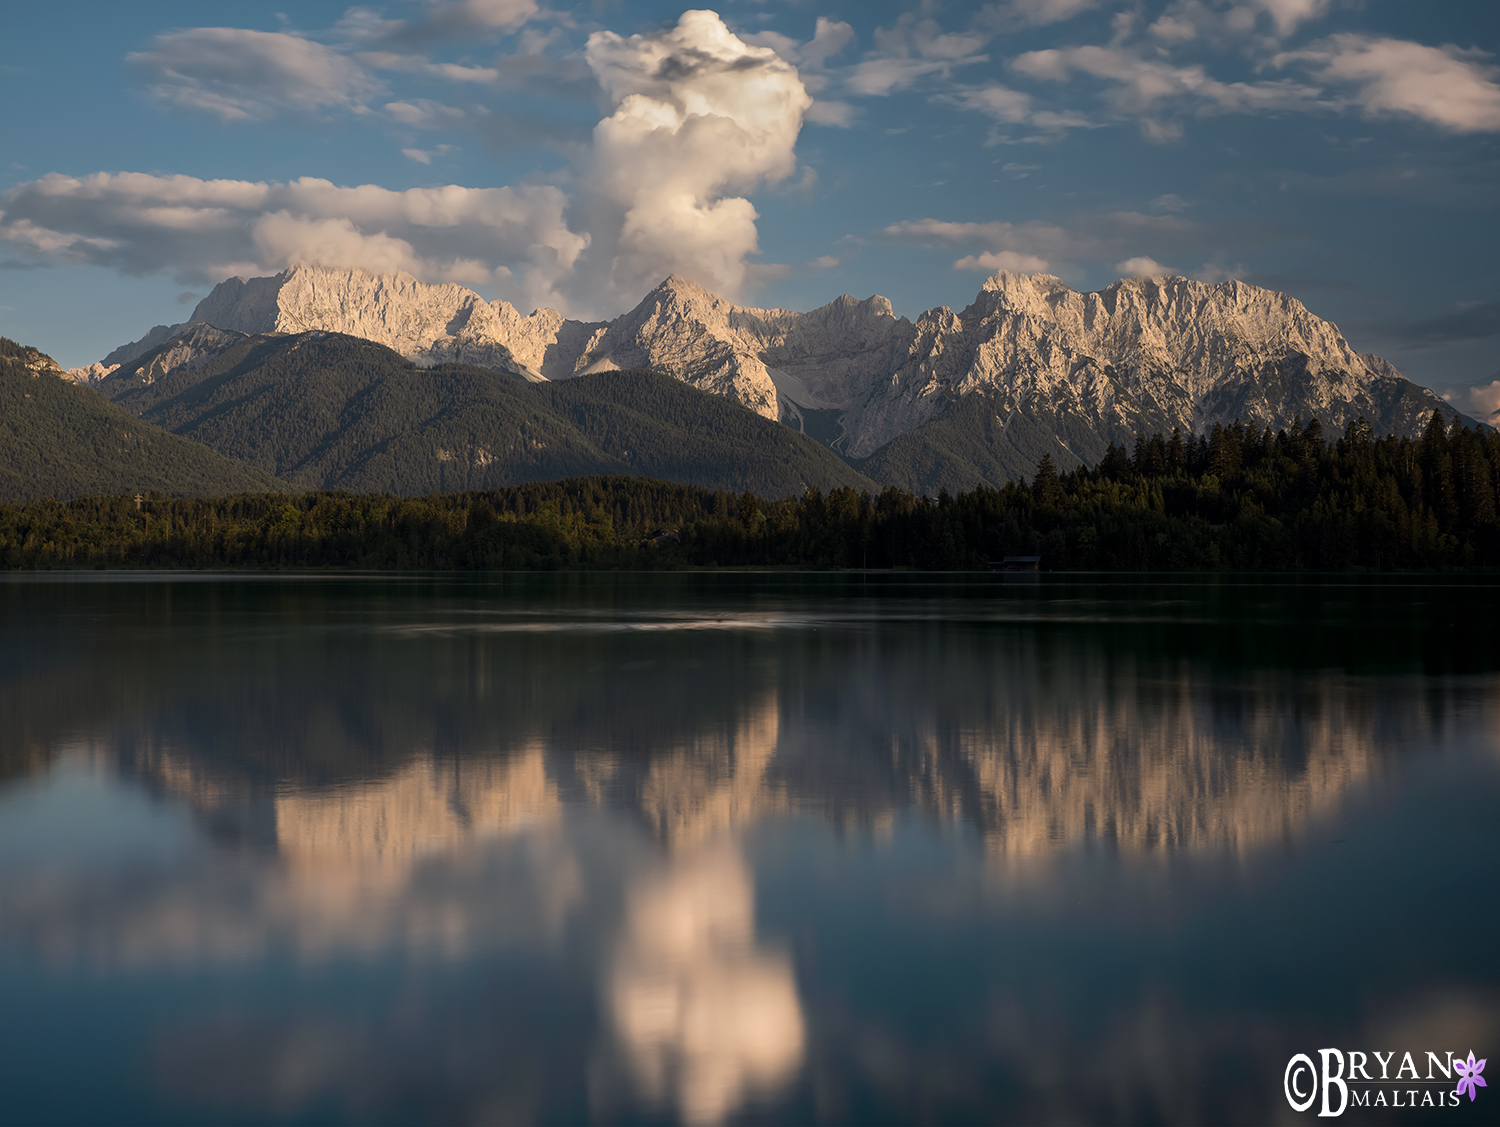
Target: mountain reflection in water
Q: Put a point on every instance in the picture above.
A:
(605, 801)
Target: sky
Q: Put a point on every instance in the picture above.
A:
(780, 153)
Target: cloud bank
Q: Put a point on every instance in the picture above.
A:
(694, 118)
(1451, 88)
(697, 118)
(241, 75)
(203, 231)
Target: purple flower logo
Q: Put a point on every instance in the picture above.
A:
(1468, 1076)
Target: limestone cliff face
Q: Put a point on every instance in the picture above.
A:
(425, 323)
(1142, 354)
(194, 346)
(90, 375)
(431, 324)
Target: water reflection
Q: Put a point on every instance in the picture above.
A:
(788, 856)
(705, 1017)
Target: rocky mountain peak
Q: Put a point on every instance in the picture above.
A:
(196, 345)
(1144, 353)
(29, 357)
(684, 289)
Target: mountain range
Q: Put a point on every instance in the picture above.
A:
(1030, 368)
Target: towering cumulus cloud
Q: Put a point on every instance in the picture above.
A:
(699, 117)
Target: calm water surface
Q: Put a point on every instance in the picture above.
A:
(768, 848)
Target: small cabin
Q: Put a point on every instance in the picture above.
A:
(1017, 563)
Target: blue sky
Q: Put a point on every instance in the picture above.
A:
(781, 153)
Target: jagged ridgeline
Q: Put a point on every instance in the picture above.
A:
(1054, 370)
(325, 410)
(62, 440)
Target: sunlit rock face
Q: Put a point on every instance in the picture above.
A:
(430, 324)
(1143, 354)
(704, 1017)
(195, 345)
(91, 374)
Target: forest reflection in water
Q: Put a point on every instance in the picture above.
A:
(788, 847)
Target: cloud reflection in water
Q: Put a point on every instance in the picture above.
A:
(502, 825)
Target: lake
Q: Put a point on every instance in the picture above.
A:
(717, 848)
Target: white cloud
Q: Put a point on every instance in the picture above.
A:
(486, 13)
(1160, 132)
(698, 114)
(911, 49)
(1093, 237)
(1142, 267)
(207, 230)
(1484, 402)
(878, 77)
(830, 37)
(424, 114)
(999, 102)
(443, 19)
(1453, 88)
(840, 114)
(1214, 272)
(1447, 86)
(1254, 24)
(1012, 107)
(1007, 260)
(1144, 86)
(1288, 15)
(421, 156)
(282, 238)
(415, 64)
(239, 74)
(913, 36)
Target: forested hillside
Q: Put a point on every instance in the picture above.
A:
(977, 442)
(327, 411)
(1239, 498)
(61, 440)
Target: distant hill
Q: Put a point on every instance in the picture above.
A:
(58, 439)
(329, 411)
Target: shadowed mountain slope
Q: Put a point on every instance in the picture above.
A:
(58, 439)
(330, 411)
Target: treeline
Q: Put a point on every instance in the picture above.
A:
(1237, 498)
